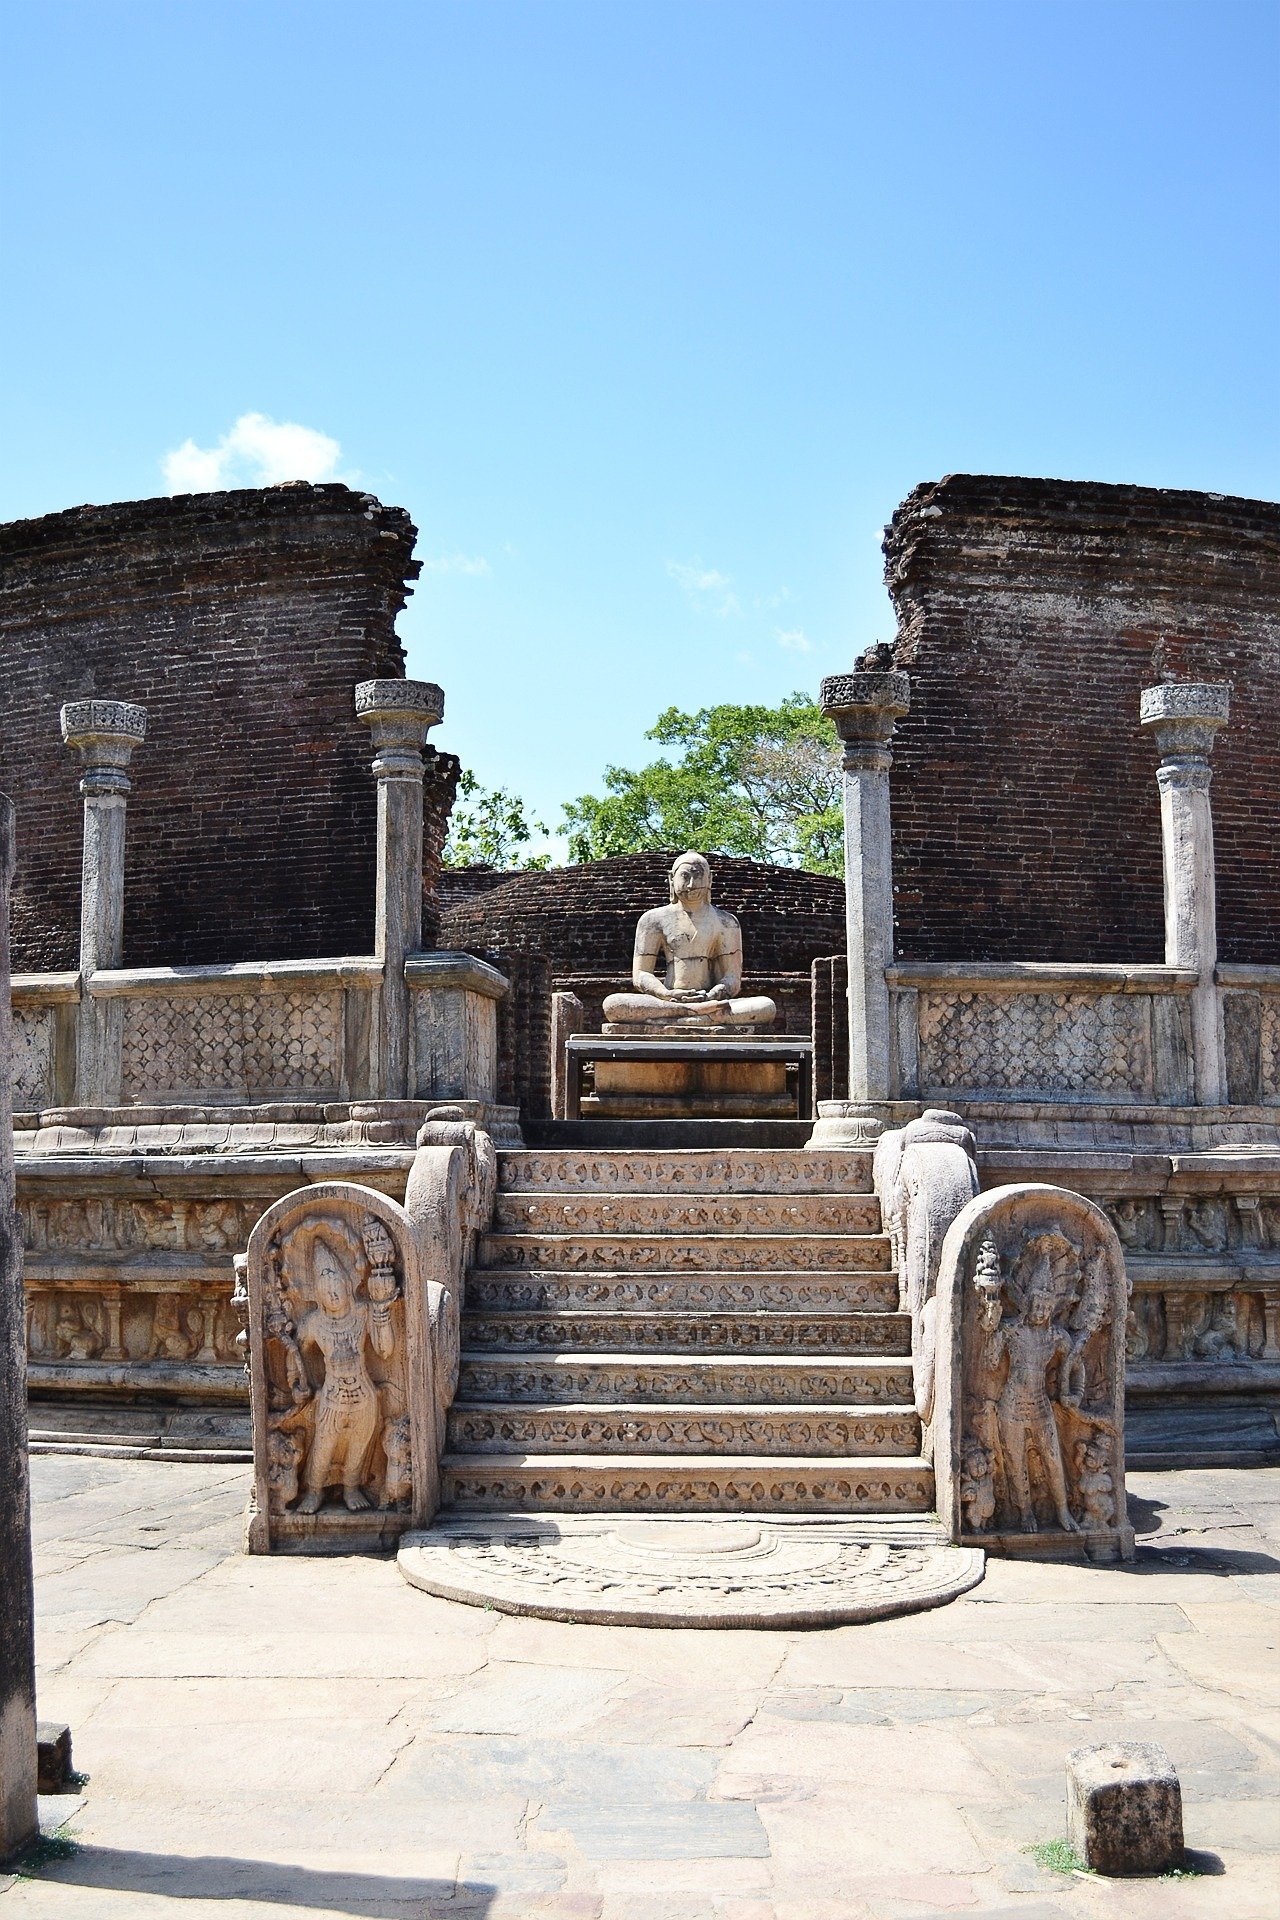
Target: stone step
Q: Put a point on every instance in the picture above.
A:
(636, 1427)
(695, 1169)
(493, 1289)
(674, 1483)
(768, 1332)
(694, 1253)
(522, 1211)
(707, 1379)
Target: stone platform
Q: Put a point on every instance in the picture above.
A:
(618, 1570)
(689, 1075)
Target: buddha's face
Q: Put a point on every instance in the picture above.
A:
(691, 881)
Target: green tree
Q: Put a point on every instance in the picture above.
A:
(760, 781)
(491, 830)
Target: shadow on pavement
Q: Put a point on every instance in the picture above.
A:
(179, 1876)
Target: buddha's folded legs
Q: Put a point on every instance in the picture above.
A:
(643, 1010)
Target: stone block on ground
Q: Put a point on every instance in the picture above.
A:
(53, 1753)
(1124, 1807)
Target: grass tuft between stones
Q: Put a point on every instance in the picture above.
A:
(1058, 1856)
(43, 1851)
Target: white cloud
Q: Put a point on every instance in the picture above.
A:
(794, 639)
(705, 588)
(257, 452)
(457, 563)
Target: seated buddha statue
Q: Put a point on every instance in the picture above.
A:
(700, 949)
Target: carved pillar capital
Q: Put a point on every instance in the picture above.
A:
(399, 715)
(1185, 719)
(104, 733)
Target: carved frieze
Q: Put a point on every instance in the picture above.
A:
(1029, 1440)
(135, 1325)
(124, 1224)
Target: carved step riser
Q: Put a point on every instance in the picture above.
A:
(610, 1487)
(765, 1333)
(611, 1213)
(704, 1253)
(696, 1170)
(604, 1382)
(490, 1291)
(806, 1432)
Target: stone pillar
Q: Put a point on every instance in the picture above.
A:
(399, 713)
(17, 1617)
(104, 733)
(1184, 719)
(865, 706)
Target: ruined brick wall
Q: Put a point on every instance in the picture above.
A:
(584, 918)
(242, 621)
(1025, 810)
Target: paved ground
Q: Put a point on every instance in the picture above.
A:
(290, 1737)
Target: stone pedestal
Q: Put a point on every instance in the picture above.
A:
(17, 1621)
(683, 1076)
(1185, 719)
(399, 714)
(104, 733)
(1124, 1808)
(865, 707)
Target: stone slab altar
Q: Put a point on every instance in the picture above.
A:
(707, 1076)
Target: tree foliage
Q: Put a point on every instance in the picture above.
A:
(759, 781)
(491, 829)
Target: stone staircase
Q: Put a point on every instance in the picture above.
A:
(700, 1330)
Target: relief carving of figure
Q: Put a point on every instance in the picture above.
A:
(1134, 1222)
(1207, 1221)
(336, 1403)
(1031, 1432)
(700, 949)
(75, 1332)
(1223, 1337)
(171, 1336)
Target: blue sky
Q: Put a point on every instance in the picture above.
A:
(648, 313)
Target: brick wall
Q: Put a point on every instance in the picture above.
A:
(242, 622)
(1025, 809)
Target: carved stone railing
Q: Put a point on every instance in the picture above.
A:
(1118, 1035)
(44, 1040)
(1251, 1015)
(251, 1034)
(924, 1174)
(351, 1307)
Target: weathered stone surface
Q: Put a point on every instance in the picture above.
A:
(1124, 1807)
(1028, 1436)
(53, 1746)
(17, 1654)
(722, 1572)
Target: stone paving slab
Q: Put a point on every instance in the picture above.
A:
(288, 1738)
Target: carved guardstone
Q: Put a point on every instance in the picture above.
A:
(340, 1373)
(1029, 1423)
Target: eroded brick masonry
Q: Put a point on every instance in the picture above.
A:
(242, 621)
(1031, 614)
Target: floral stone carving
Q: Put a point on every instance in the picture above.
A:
(1029, 1430)
(340, 1367)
